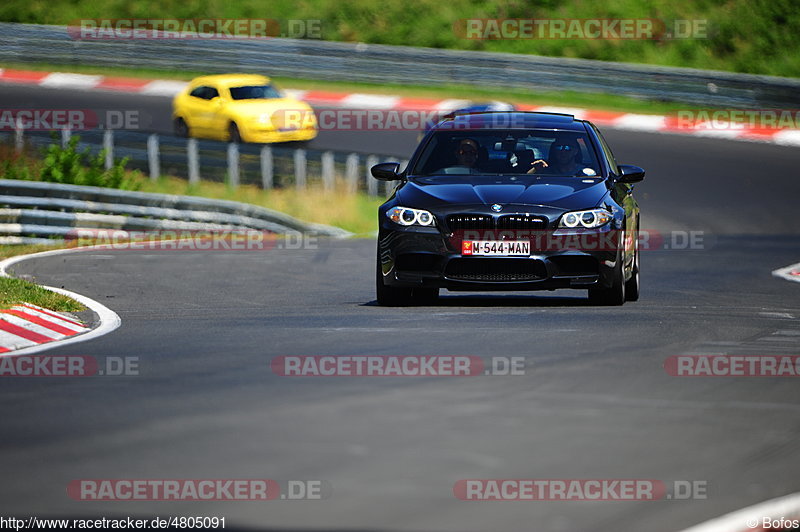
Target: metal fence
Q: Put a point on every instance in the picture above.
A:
(33, 212)
(267, 166)
(401, 64)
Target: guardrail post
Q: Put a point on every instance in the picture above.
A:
(300, 168)
(108, 146)
(19, 139)
(192, 161)
(351, 173)
(233, 165)
(372, 183)
(267, 177)
(327, 170)
(153, 160)
(66, 134)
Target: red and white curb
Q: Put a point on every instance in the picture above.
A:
(27, 325)
(27, 329)
(614, 120)
(790, 273)
(769, 515)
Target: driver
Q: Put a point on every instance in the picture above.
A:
(467, 153)
(565, 156)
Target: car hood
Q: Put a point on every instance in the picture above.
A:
(559, 192)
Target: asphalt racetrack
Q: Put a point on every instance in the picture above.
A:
(595, 401)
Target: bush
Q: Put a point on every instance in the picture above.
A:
(70, 166)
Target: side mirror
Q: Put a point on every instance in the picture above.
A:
(386, 171)
(630, 174)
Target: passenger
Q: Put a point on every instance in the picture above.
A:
(565, 159)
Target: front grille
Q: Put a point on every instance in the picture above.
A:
(520, 222)
(470, 222)
(483, 222)
(495, 270)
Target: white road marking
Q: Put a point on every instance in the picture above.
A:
(789, 137)
(370, 101)
(790, 273)
(162, 87)
(63, 80)
(640, 122)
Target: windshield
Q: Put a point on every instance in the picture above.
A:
(254, 92)
(540, 152)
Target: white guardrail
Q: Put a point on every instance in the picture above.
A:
(34, 211)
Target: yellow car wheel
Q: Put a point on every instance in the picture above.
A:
(233, 133)
(180, 127)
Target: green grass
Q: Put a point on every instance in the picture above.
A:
(755, 36)
(598, 101)
(15, 291)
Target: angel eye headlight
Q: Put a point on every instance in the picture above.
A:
(407, 216)
(570, 220)
(587, 219)
(424, 218)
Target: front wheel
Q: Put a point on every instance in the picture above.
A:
(615, 294)
(389, 296)
(180, 128)
(632, 286)
(233, 133)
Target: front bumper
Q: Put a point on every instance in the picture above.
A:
(428, 257)
(257, 134)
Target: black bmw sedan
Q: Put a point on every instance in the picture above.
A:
(509, 201)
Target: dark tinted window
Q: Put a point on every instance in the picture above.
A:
(205, 93)
(566, 153)
(254, 92)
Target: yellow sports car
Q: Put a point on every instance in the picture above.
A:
(241, 108)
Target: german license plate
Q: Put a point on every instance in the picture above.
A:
(515, 248)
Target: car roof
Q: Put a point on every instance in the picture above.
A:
(231, 80)
(504, 120)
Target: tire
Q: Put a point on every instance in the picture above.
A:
(615, 295)
(180, 128)
(233, 133)
(632, 285)
(390, 296)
